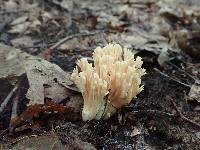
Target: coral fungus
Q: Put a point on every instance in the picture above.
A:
(111, 83)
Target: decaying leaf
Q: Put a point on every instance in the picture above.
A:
(56, 92)
(39, 72)
(36, 110)
(75, 102)
(48, 141)
(68, 5)
(31, 20)
(19, 20)
(25, 41)
(194, 93)
(10, 63)
(19, 28)
(10, 5)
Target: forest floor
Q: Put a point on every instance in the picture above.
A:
(165, 33)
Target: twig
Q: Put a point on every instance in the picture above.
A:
(181, 115)
(74, 36)
(8, 98)
(16, 100)
(188, 74)
(3, 132)
(171, 78)
(48, 51)
(14, 109)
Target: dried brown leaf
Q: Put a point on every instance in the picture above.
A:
(36, 110)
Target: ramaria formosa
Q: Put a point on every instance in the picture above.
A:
(111, 84)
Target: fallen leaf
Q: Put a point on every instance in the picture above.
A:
(38, 109)
(48, 141)
(79, 144)
(194, 93)
(19, 28)
(10, 64)
(75, 102)
(39, 72)
(68, 5)
(56, 92)
(19, 20)
(10, 5)
(25, 41)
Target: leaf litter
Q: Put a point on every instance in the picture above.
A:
(163, 33)
(39, 72)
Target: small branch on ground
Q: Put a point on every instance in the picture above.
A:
(48, 51)
(165, 75)
(8, 98)
(16, 100)
(73, 36)
(14, 109)
(181, 115)
(3, 132)
(186, 73)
